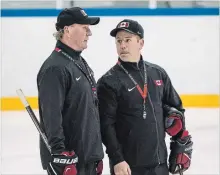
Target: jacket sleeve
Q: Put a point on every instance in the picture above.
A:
(170, 96)
(107, 110)
(172, 99)
(51, 91)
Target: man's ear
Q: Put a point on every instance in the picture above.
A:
(141, 43)
(65, 29)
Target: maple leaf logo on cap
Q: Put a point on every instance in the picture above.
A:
(123, 24)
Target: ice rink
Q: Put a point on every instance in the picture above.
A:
(20, 153)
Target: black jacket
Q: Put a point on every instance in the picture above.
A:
(68, 108)
(125, 133)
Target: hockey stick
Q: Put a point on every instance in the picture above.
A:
(33, 117)
(181, 173)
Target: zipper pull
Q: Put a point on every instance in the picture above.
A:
(144, 114)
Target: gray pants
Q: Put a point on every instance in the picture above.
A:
(158, 170)
(89, 169)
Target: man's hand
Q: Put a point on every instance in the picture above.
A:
(122, 168)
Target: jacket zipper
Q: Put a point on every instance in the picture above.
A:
(158, 158)
(158, 150)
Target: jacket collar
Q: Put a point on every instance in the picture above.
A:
(132, 65)
(73, 53)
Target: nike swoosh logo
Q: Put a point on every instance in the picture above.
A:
(131, 88)
(77, 79)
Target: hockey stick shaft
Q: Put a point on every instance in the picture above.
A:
(181, 173)
(33, 117)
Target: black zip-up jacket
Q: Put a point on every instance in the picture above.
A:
(125, 133)
(68, 111)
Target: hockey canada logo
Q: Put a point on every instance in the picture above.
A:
(123, 24)
(158, 82)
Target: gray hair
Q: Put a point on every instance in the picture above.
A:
(59, 34)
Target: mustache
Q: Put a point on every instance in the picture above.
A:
(124, 52)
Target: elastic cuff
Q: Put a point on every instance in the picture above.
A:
(117, 159)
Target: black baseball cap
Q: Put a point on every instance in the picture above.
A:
(74, 15)
(129, 26)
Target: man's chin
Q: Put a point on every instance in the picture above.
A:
(85, 46)
(124, 57)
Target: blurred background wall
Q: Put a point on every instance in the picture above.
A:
(180, 36)
(110, 3)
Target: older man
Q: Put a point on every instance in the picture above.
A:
(68, 104)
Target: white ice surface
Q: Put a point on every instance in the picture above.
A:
(20, 150)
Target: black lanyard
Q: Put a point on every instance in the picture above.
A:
(88, 74)
(143, 93)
